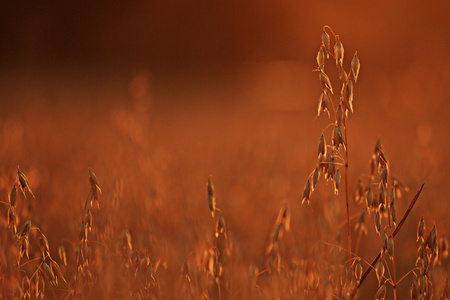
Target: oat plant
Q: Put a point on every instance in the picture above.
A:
(377, 192)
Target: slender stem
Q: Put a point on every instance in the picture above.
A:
(395, 275)
(397, 229)
(349, 237)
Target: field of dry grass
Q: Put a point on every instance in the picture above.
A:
(188, 183)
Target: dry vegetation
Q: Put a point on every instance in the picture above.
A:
(141, 228)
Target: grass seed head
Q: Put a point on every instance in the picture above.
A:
(369, 198)
(322, 146)
(421, 230)
(43, 243)
(62, 255)
(221, 227)
(381, 293)
(432, 239)
(211, 195)
(355, 66)
(378, 222)
(361, 224)
(337, 182)
(326, 42)
(56, 271)
(12, 196)
(325, 80)
(348, 103)
(320, 59)
(390, 247)
(339, 52)
(315, 178)
(379, 270)
(306, 192)
(23, 183)
(12, 219)
(358, 271)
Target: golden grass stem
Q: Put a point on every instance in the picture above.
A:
(349, 237)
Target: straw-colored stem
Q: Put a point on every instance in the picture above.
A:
(349, 236)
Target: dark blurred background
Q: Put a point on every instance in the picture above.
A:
(164, 93)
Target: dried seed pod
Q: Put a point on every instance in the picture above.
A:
(315, 178)
(83, 232)
(359, 192)
(379, 270)
(378, 222)
(348, 103)
(211, 196)
(390, 247)
(423, 284)
(331, 166)
(322, 163)
(369, 198)
(96, 191)
(325, 80)
(322, 146)
(93, 179)
(306, 192)
(381, 293)
(23, 183)
(338, 137)
(339, 51)
(12, 196)
(421, 230)
(342, 80)
(88, 220)
(336, 140)
(326, 42)
(394, 214)
(85, 254)
(337, 182)
(361, 224)
(24, 245)
(382, 196)
(26, 287)
(284, 217)
(26, 229)
(12, 219)
(432, 240)
(43, 243)
(221, 228)
(62, 255)
(48, 273)
(381, 158)
(358, 271)
(320, 59)
(413, 290)
(324, 104)
(56, 271)
(355, 66)
(126, 239)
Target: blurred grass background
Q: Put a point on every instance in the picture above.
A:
(164, 94)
